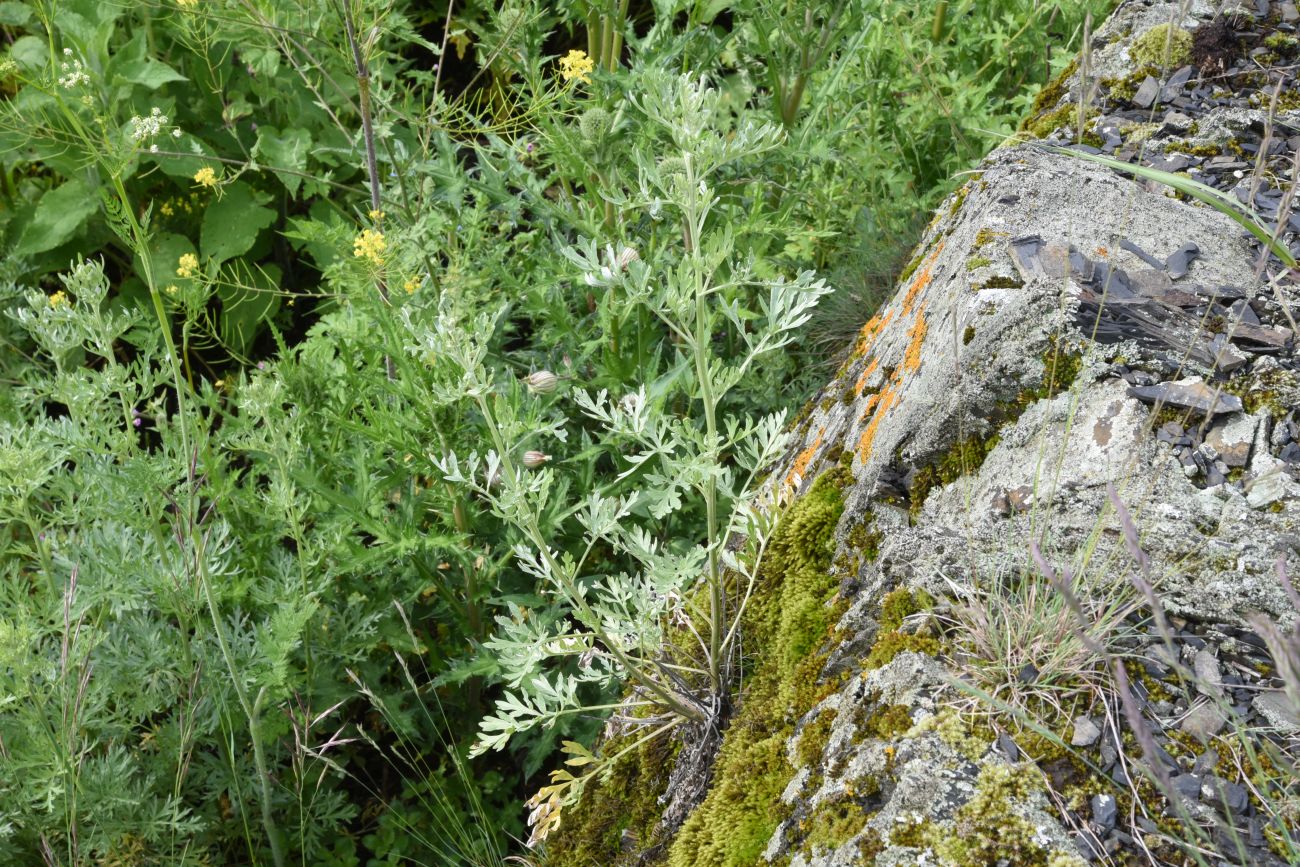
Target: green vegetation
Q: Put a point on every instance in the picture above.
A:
(357, 359)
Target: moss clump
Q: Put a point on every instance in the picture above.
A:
(966, 456)
(1066, 115)
(628, 801)
(1280, 42)
(1000, 282)
(902, 603)
(976, 262)
(1164, 45)
(1052, 92)
(889, 721)
(814, 737)
(988, 236)
(968, 335)
(838, 819)
(1124, 89)
(865, 539)
(1196, 150)
(789, 619)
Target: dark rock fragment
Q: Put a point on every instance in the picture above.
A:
(1191, 393)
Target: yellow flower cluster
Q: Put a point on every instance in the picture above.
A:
(171, 207)
(205, 177)
(411, 285)
(576, 64)
(60, 299)
(370, 245)
(377, 216)
(187, 5)
(188, 266)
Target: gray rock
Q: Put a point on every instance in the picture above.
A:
(1086, 732)
(1232, 439)
(1209, 680)
(1278, 710)
(1105, 810)
(1190, 393)
(1147, 92)
(1203, 721)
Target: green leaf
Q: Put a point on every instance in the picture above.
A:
(232, 222)
(59, 214)
(15, 14)
(284, 150)
(149, 72)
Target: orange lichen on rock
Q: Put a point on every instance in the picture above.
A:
(922, 278)
(870, 331)
(803, 459)
(912, 357)
(882, 403)
(866, 374)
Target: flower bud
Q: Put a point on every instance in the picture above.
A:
(542, 382)
(535, 459)
(626, 257)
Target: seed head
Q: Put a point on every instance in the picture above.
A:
(535, 459)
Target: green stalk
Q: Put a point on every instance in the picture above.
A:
(692, 227)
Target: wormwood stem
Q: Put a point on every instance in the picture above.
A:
(368, 134)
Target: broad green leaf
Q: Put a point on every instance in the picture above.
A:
(284, 150)
(15, 14)
(59, 214)
(232, 222)
(149, 72)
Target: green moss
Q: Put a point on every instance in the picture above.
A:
(902, 603)
(1124, 89)
(814, 737)
(865, 539)
(1066, 115)
(1196, 150)
(790, 619)
(1279, 41)
(988, 236)
(975, 262)
(1000, 282)
(1265, 390)
(1052, 92)
(965, 456)
(836, 820)
(968, 335)
(1164, 45)
(888, 722)
(626, 802)
(890, 644)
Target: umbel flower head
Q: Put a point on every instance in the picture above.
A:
(188, 265)
(576, 64)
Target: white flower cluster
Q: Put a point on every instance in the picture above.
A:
(74, 74)
(144, 129)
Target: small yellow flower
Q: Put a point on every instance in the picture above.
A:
(370, 245)
(171, 289)
(205, 177)
(60, 299)
(166, 209)
(576, 64)
(411, 285)
(188, 265)
(376, 215)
